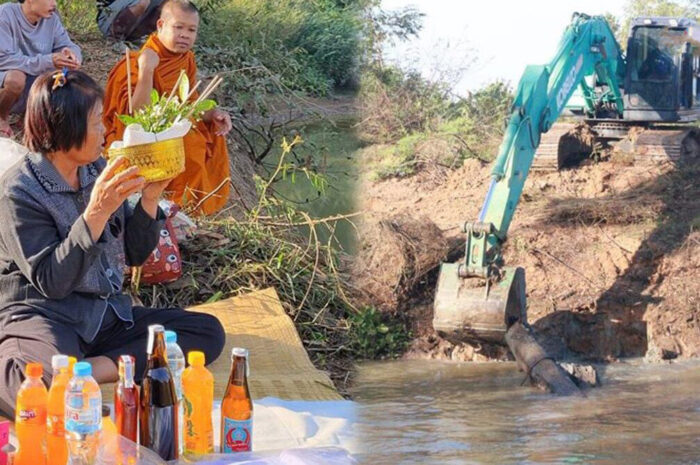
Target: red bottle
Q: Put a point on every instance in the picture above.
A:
(126, 400)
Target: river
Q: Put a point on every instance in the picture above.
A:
(428, 412)
(333, 148)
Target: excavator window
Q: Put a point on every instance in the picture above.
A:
(652, 52)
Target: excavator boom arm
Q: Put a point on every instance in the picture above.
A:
(588, 47)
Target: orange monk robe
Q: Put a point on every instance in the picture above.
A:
(207, 163)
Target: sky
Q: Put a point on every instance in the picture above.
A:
(503, 35)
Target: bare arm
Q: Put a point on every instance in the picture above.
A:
(148, 61)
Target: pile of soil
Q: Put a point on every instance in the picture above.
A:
(611, 253)
(396, 252)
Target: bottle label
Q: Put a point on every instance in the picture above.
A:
(29, 415)
(83, 420)
(237, 436)
(54, 426)
(199, 438)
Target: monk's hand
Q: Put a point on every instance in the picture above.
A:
(220, 119)
(148, 60)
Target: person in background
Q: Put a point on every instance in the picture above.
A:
(67, 233)
(127, 20)
(32, 41)
(205, 183)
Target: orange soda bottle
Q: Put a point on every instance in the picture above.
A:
(237, 407)
(198, 399)
(57, 448)
(110, 436)
(30, 418)
(107, 423)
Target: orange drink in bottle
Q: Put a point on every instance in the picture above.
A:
(57, 448)
(30, 418)
(198, 399)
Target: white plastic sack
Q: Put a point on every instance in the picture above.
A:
(314, 456)
(134, 134)
(287, 424)
(10, 153)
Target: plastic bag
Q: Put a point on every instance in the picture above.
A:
(10, 153)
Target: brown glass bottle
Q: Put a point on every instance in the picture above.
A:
(237, 407)
(158, 413)
(126, 400)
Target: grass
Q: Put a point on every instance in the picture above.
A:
(266, 248)
(398, 160)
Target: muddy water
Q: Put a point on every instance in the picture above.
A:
(440, 413)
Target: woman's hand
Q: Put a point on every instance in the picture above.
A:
(109, 193)
(151, 195)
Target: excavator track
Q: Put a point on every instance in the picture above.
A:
(561, 147)
(656, 145)
(558, 148)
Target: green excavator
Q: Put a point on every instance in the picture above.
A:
(651, 93)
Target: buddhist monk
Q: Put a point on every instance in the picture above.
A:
(205, 183)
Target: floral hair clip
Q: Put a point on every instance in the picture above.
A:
(59, 79)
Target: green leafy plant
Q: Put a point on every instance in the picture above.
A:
(165, 110)
(376, 335)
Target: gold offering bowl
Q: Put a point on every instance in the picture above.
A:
(156, 161)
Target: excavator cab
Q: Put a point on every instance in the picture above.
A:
(661, 79)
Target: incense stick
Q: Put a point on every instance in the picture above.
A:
(210, 88)
(128, 81)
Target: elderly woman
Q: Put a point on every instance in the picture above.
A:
(66, 234)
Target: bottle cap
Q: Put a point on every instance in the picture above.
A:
(152, 331)
(195, 358)
(34, 370)
(239, 352)
(106, 411)
(82, 369)
(71, 363)
(126, 360)
(170, 337)
(59, 361)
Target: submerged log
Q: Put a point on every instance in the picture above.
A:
(541, 369)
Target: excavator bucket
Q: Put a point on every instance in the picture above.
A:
(469, 309)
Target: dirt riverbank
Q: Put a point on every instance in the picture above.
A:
(611, 253)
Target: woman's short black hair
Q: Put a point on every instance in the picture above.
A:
(56, 118)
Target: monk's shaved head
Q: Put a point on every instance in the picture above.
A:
(176, 6)
(178, 25)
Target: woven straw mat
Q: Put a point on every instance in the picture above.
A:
(279, 365)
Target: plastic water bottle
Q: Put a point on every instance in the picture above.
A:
(176, 363)
(83, 415)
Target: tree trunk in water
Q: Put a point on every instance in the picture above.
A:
(533, 360)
